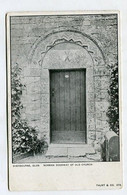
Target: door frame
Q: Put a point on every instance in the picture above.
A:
(67, 69)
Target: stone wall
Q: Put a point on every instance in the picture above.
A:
(34, 41)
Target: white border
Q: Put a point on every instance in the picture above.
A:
(16, 182)
(39, 5)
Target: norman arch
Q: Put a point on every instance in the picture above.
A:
(66, 50)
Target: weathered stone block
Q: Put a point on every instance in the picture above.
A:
(45, 98)
(30, 110)
(45, 113)
(99, 115)
(104, 95)
(90, 115)
(92, 135)
(45, 120)
(100, 70)
(35, 97)
(90, 97)
(101, 106)
(33, 117)
(91, 126)
(98, 96)
(105, 83)
(31, 80)
(98, 124)
(90, 107)
(34, 88)
(45, 110)
(90, 87)
(35, 124)
(89, 73)
(43, 134)
(44, 88)
(24, 92)
(44, 74)
(104, 116)
(98, 84)
(34, 106)
(32, 72)
(90, 121)
(99, 135)
(101, 95)
(45, 126)
(105, 125)
(23, 116)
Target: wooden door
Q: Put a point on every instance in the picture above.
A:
(67, 106)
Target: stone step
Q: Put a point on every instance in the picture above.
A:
(57, 152)
(69, 145)
(69, 150)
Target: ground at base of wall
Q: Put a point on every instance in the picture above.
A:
(41, 158)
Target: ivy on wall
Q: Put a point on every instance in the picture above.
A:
(113, 110)
(24, 138)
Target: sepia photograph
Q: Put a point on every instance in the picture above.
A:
(64, 88)
(64, 100)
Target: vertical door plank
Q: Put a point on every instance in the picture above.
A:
(78, 103)
(53, 101)
(57, 96)
(62, 88)
(67, 100)
(82, 122)
(72, 99)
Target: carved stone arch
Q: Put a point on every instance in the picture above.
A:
(69, 54)
(44, 56)
(43, 44)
